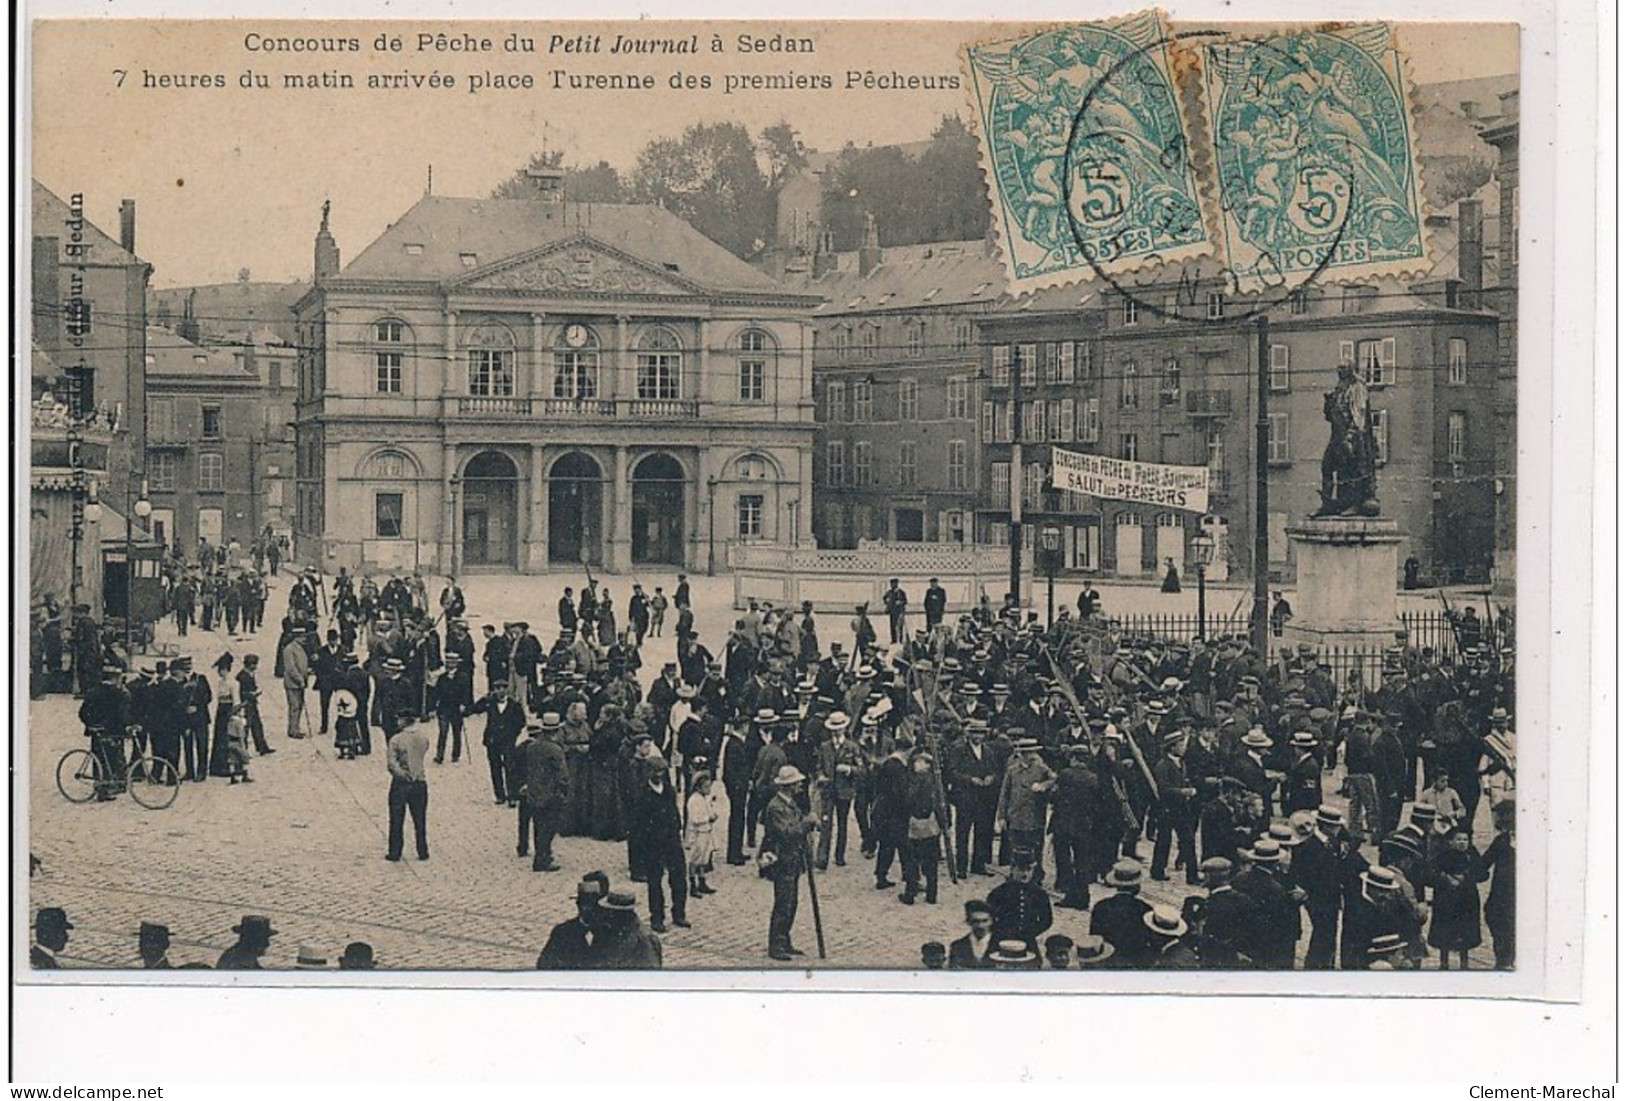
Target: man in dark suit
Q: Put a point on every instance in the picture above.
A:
(1120, 919)
(1077, 805)
(655, 826)
(1323, 867)
(1176, 809)
(504, 722)
(328, 665)
(973, 773)
(1302, 788)
(254, 935)
(1249, 767)
(498, 650)
(888, 818)
(545, 791)
(1021, 908)
(936, 603)
(153, 946)
(569, 945)
(896, 603)
(525, 659)
(738, 763)
(1279, 923)
(396, 707)
(51, 927)
(969, 952)
(784, 851)
(1231, 921)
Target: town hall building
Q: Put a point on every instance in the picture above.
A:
(533, 384)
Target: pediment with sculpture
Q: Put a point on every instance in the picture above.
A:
(578, 267)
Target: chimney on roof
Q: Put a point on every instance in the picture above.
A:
(327, 249)
(1470, 249)
(47, 292)
(548, 182)
(187, 329)
(824, 258)
(126, 226)
(869, 254)
(1469, 107)
(1509, 104)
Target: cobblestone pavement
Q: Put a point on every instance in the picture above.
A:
(305, 845)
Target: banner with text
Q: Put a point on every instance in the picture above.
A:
(1181, 487)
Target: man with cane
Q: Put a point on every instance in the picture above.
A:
(783, 858)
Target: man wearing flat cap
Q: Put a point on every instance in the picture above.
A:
(254, 935)
(783, 858)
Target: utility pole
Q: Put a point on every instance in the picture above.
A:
(1017, 480)
(1261, 497)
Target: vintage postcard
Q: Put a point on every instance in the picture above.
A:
(759, 499)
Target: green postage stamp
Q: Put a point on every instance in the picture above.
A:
(1315, 148)
(1085, 152)
(1306, 167)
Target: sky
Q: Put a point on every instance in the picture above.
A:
(231, 178)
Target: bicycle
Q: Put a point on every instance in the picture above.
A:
(151, 781)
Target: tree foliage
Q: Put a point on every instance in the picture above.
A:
(709, 177)
(724, 183)
(936, 196)
(598, 183)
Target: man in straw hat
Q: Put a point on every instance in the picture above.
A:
(1279, 920)
(1322, 866)
(1120, 919)
(783, 858)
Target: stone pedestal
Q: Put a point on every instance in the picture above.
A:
(1348, 569)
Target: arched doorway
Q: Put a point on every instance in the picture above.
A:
(658, 482)
(575, 488)
(491, 511)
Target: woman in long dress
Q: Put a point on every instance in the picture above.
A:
(225, 701)
(1170, 578)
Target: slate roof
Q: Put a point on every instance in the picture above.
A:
(170, 355)
(497, 229)
(50, 217)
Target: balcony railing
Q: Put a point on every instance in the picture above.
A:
(577, 407)
(1207, 403)
(494, 407)
(570, 408)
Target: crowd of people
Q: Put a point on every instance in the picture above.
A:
(1323, 823)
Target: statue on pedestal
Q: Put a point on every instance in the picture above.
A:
(1348, 468)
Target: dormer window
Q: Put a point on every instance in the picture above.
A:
(414, 249)
(470, 259)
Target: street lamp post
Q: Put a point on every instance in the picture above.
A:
(456, 483)
(140, 508)
(711, 526)
(1049, 538)
(1202, 552)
